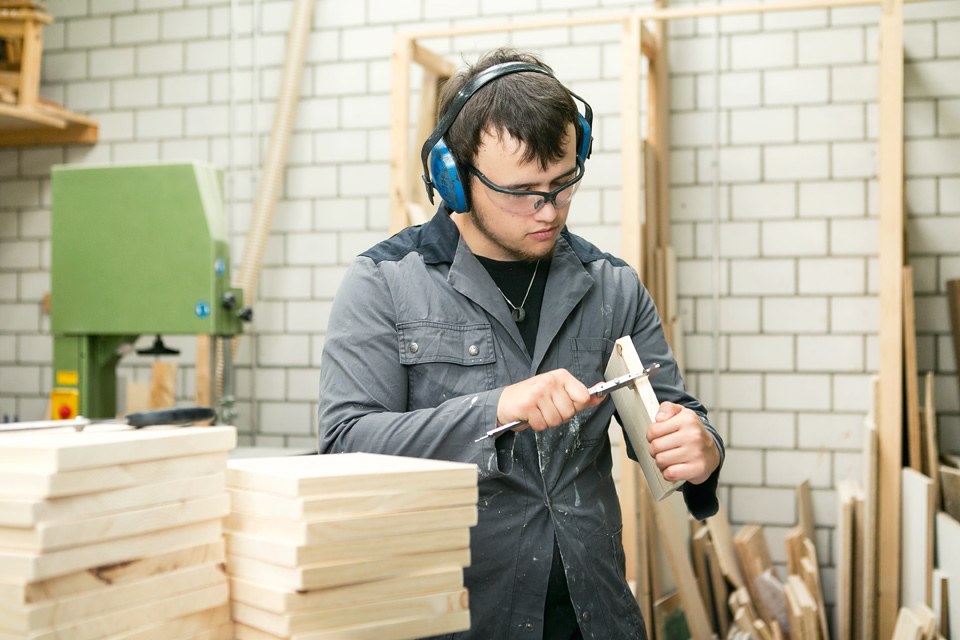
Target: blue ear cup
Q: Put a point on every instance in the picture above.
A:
(447, 180)
(584, 138)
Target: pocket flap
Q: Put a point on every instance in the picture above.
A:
(422, 341)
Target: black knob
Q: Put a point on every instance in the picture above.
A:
(245, 314)
(229, 300)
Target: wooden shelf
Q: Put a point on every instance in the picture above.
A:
(44, 123)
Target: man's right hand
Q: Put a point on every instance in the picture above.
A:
(544, 401)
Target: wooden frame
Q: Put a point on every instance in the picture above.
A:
(650, 161)
(32, 120)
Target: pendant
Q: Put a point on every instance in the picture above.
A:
(519, 314)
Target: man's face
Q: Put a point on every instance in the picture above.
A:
(493, 228)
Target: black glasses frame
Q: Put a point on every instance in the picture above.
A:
(548, 196)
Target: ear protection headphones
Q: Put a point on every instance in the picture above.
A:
(449, 178)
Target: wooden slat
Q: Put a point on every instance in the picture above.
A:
(950, 485)
(846, 563)
(917, 539)
(910, 375)
(891, 310)
(346, 473)
(953, 303)
(907, 626)
(202, 390)
(400, 131)
(805, 510)
(432, 62)
(870, 461)
(163, 385)
(397, 629)
(948, 561)
(719, 588)
(720, 534)
(931, 446)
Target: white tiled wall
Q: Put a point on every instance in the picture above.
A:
(798, 198)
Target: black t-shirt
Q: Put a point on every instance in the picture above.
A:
(514, 280)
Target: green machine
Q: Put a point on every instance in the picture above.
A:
(136, 250)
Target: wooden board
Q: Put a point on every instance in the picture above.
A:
(293, 555)
(282, 601)
(719, 589)
(948, 561)
(22, 566)
(391, 630)
(98, 579)
(907, 627)
(805, 510)
(32, 485)
(122, 620)
(719, 526)
(892, 224)
(950, 486)
(846, 560)
(953, 302)
(916, 542)
(335, 574)
(211, 624)
(30, 513)
(637, 406)
(317, 532)
(349, 505)
(941, 601)
(810, 571)
(421, 606)
(104, 445)
(342, 473)
(868, 617)
(64, 611)
(73, 534)
(931, 446)
(163, 385)
(910, 382)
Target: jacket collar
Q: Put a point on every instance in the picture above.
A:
(567, 283)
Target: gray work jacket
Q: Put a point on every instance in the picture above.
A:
(419, 347)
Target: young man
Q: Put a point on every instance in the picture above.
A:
(494, 312)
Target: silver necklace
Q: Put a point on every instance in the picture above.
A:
(519, 314)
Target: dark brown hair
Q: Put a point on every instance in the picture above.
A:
(531, 107)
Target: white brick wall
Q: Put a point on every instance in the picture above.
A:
(798, 312)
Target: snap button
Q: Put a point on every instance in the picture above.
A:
(586, 616)
(414, 347)
(473, 350)
(528, 626)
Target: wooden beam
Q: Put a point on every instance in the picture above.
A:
(400, 132)
(432, 62)
(917, 539)
(891, 313)
(910, 374)
(953, 301)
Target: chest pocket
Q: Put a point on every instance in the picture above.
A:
(590, 357)
(445, 360)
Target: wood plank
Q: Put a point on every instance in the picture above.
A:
(293, 555)
(62, 612)
(432, 62)
(130, 618)
(810, 571)
(104, 445)
(45, 538)
(719, 588)
(948, 561)
(21, 566)
(337, 574)
(163, 385)
(698, 543)
(392, 630)
(890, 424)
(931, 446)
(805, 510)
(33, 513)
(346, 472)
(212, 624)
(868, 618)
(950, 485)
(941, 601)
(916, 539)
(846, 561)
(33, 485)
(719, 526)
(953, 303)
(400, 131)
(637, 406)
(282, 601)
(910, 375)
(97, 580)
(424, 606)
(357, 504)
(202, 388)
(907, 626)
(795, 549)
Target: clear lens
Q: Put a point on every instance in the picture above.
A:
(529, 202)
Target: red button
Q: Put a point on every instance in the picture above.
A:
(64, 412)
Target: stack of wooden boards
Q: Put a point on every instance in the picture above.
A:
(349, 546)
(114, 534)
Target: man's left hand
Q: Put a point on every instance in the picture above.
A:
(681, 445)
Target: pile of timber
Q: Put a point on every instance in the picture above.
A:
(113, 533)
(349, 546)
